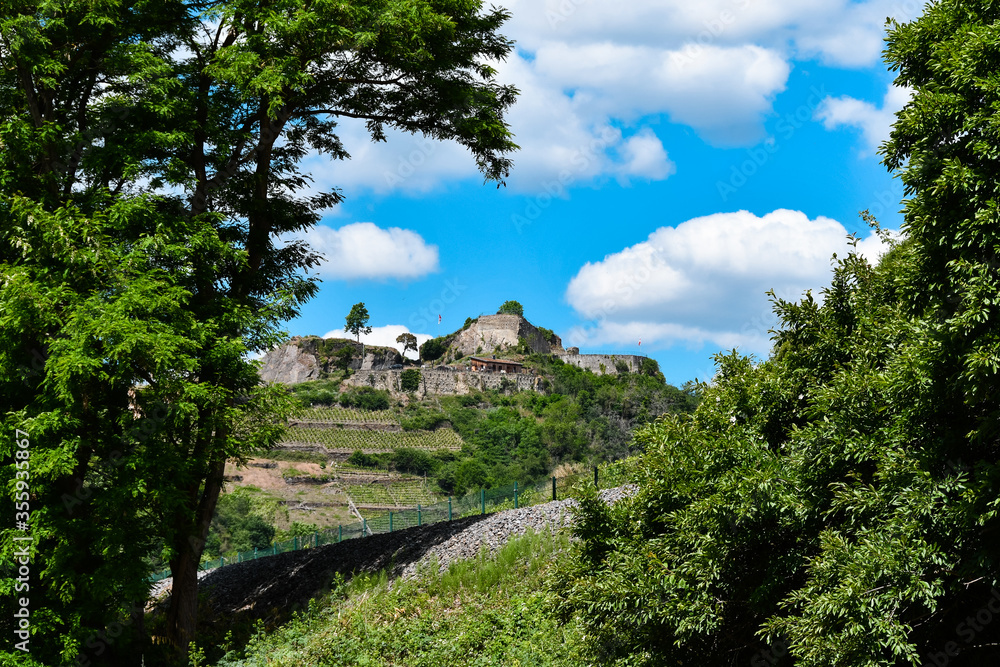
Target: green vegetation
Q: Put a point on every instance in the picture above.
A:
(317, 392)
(409, 380)
(356, 321)
(150, 163)
(408, 341)
(243, 521)
(511, 308)
(366, 398)
(836, 505)
(349, 439)
(433, 349)
(487, 611)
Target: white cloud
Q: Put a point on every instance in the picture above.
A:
(362, 250)
(591, 72)
(722, 92)
(875, 124)
(706, 280)
(384, 336)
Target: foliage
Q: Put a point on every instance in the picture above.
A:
(357, 321)
(433, 349)
(240, 524)
(839, 500)
(317, 392)
(484, 611)
(511, 308)
(150, 163)
(360, 459)
(366, 398)
(409, 380)
(413, 461)
(408, 341)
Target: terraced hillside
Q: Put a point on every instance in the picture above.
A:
(308, 474)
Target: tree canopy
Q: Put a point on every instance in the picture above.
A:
(836, 504)
(150, 164)
(357, 321)
(511, 308)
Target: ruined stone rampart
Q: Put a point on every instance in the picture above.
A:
(501, 332)
(604, 364)
(443, 381)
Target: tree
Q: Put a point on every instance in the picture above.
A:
(836, 504)
(150, 162)
(357, 321)
(433, 349)
(511, 308)
(408, 340)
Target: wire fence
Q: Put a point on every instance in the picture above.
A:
(483, 501)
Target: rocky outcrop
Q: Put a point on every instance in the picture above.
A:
(492, 333)
(314, 358)
(289, 364)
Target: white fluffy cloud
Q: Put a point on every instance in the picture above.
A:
(874, 123)
(591, 72)
(362, 250)
(706, 279)
(384, 336)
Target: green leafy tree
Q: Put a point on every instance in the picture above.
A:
(150, 163)
(836, 504)
(511, 308)
(357, 321)
(433, 349)
(408, 341)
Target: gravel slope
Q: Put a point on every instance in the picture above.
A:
(275, 586)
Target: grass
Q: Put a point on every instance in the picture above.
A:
(478, 613)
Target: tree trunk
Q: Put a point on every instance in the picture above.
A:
(182, 616)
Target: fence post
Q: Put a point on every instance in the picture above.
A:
(418, 514)
(553, 487)
(449, 508)
(340, 532)
(364, 527)
(255, 553)
(295, 543)
(315, 538)
(390, 522)
(222, 560)
(515, 495)
(482, 501)
(595, 477)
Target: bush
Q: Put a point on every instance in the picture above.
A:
(511, 308)
(413, 461)
(362, 460)
(366, 398)
(409, 380)
(318, 392)
(433, 349)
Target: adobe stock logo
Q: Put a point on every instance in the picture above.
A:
(967, 631)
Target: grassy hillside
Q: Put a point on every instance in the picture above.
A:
(489, 611)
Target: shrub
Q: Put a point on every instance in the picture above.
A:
(413, 461)
(366, 398)
(511, 308)
(433, 349)
(409, 380)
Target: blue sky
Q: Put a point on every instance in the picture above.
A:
(677, 160)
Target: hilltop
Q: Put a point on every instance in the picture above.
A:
(501, 336)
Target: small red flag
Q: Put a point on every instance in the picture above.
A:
(640, 342)
(439, 319)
